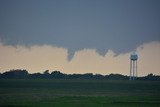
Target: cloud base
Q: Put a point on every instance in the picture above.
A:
(39, 58)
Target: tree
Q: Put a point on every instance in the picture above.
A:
(57, 75)
(46, 72)
(15, 74)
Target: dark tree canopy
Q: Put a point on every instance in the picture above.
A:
(15, 74)
(23, 74)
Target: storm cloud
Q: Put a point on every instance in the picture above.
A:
(119, 25)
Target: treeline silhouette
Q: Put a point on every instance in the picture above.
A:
(23, 74)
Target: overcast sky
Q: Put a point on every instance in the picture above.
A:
(121, 26)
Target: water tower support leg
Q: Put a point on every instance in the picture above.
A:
(136, 70)
(133, 69)
(130, 76)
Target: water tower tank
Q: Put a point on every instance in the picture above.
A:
(134, 56)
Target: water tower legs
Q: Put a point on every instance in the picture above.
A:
(133, 69)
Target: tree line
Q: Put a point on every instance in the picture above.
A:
(24, 74)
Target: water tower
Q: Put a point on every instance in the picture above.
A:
(133, 66)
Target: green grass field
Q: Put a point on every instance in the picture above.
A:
(79, 93)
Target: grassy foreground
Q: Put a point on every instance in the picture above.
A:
(79, 93)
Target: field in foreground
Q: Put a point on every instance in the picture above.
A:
(79, 93)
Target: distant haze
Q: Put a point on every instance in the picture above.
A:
(79, 35)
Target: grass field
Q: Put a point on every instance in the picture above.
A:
(79, 93)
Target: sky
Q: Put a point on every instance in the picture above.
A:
(80, 36)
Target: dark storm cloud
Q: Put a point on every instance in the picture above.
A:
(120, 25)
